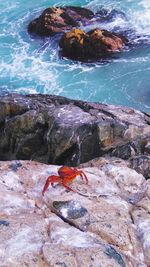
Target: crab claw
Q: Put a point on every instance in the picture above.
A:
(50, 180)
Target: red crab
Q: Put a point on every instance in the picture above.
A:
(66, 175)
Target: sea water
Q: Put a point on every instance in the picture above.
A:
(33, 65)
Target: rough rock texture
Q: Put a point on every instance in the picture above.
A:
(57, 130)
(139, 163)
(95, 44)
(107, 223)
(59, 19)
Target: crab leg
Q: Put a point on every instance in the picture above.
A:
(68, 187)
(83, 176)
(50, 180)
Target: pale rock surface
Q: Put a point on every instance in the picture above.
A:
(107, 223)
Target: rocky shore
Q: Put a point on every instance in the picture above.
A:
(104, 222)
(57, 130)
(109, 218)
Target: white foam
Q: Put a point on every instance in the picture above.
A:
(137, 14)
(33, 65)
(30, 69)
(141, 18)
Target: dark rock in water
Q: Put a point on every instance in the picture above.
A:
(54, 129)
(72, 44)
(76, 44)
(95, 44)
(59, 19)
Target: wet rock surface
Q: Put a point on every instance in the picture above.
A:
(59, 19)
(98, 225)
(55, 20)
(95, 44)
(58, 130)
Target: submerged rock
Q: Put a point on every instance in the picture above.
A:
(96, 225)
(59, 19)
(95, 44)
(57, 130)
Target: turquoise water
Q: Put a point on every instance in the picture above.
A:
(33, 65)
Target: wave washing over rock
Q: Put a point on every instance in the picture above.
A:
(33, 65)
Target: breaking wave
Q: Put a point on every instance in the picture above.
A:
(33, 65)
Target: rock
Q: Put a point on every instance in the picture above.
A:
(141, 218)
(95, 44)
(107, 41)
(84, 256)
(5, 223)
(72, 209)
(72, 44)
(57, 130)
(96, 225)
(147, 148)
(141, 164)
(76, 44)
(136, 147)
(59, 19)
(100, 161)
(24, 239)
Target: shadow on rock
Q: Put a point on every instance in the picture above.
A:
(93, 45)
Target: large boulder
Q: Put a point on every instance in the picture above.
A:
(75, 43)
(106, 223)
(59, 19)
(54, 129)
(95, 44)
